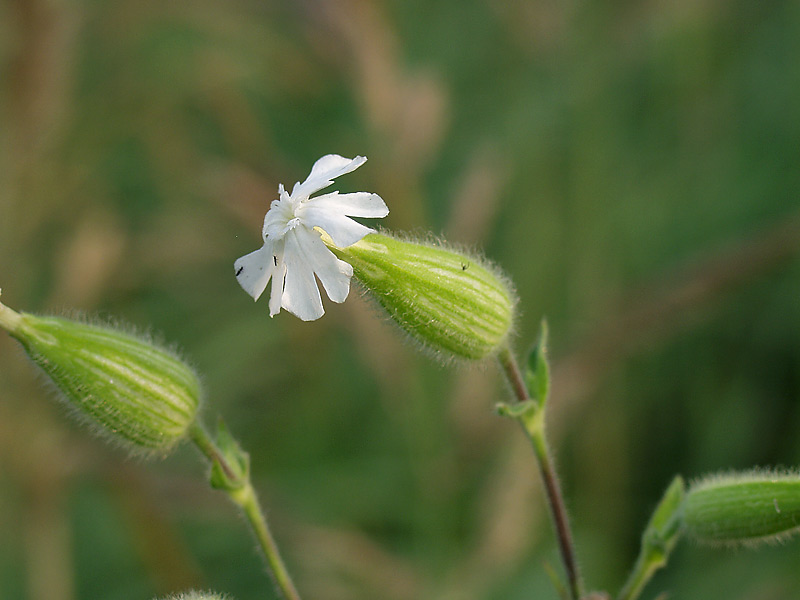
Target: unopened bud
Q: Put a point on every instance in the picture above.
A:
(136, 391)
(198, 596)
(452, 303)
(743, 508)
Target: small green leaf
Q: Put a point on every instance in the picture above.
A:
(664, 526)
(520, 410)
(537, 369)
(658, 540)
(234, 474)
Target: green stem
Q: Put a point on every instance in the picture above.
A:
(658, 540)
(657, 544)
(245, 497)
(643, 571)
(535, 430)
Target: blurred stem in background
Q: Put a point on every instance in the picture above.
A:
(230, 473)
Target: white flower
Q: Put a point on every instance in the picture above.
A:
(293, 251)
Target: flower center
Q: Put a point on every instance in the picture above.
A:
(281, 217)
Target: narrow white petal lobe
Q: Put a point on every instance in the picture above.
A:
(300, 293)
(357, 204)
(334, 274)
(278, 280)
(324, 171)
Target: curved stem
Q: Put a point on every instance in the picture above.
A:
(245, 496)
(535, 429)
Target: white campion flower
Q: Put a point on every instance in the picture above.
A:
(294, 253)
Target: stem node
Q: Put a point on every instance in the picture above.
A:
(531, 418)
(231, 474)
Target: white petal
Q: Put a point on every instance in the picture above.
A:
(358, 204)
(334, 274)
(254, 270)
(278, 279)
(343, 230)
(324, 171)
(300, 293)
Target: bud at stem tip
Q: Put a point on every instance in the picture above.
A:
(137, 392)
(744, 508)
(452, 303)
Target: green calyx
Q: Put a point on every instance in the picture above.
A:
(449, 302)
(743, 509)
(135, 391)
(198, 596)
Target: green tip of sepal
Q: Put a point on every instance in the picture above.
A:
(452, 303)
(664, 528)
(537, 369)
(130, 389)
(743, 508)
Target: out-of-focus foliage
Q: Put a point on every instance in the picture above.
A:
(634, 168)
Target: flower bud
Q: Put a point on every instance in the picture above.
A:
(198, 596)
(450, 302)
(137, 392)
(743, 508)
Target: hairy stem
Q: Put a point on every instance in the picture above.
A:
(245, 496)
(643, 571)
(535, 430)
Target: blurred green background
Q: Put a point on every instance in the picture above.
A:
(633, 166)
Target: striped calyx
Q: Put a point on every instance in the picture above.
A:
(134, 390)
(450, 302)
(198, 596)
(745, 508)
